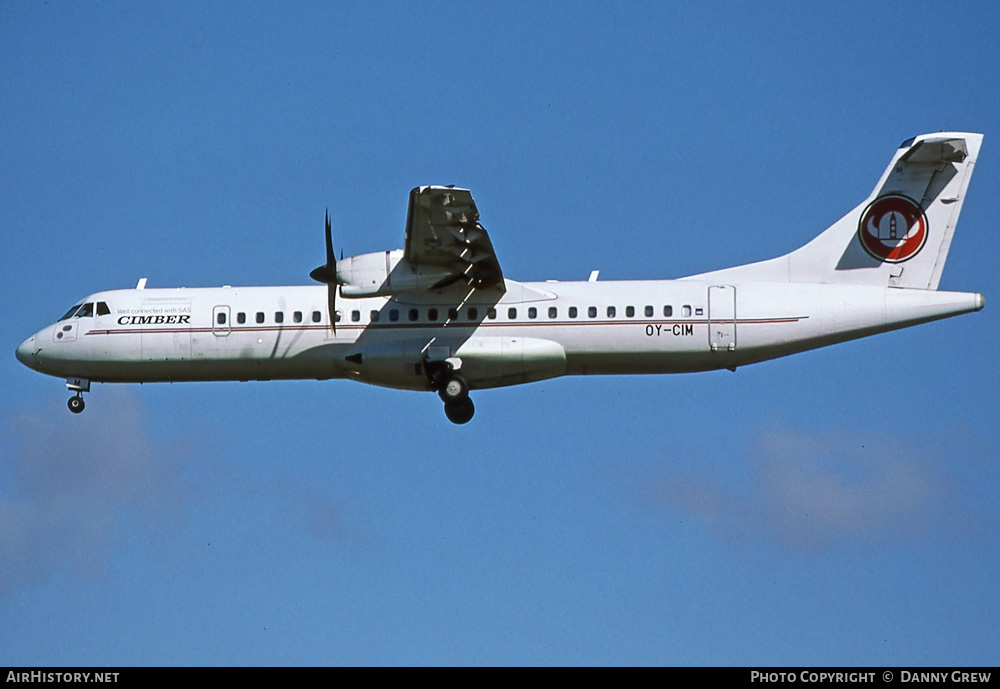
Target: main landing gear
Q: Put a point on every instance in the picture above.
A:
(453, 391)
(79, 386)
(460, 412)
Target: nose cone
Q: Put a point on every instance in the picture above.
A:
(26, 352)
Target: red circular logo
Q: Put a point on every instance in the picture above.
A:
(893, 228)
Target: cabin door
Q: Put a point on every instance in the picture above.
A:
(220, 321)
(722, 317)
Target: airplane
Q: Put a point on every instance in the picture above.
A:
(439, 315)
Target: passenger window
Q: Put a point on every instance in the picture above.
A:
(413, 314)
(532, 312)
(432, 314)
(374, 316)
(102, 309)
(611, 312)
(686, 310)
(491, 314)
(260, 316)
(553, 312)
(297, 316)
(393, 315)
(473, 313)
(337, 316)
(512, 313)
(592, 312)
(355, 315)
(279, 316)
(220, 318)
(241, 317)
(630, 311)
(452, 314)
(572, 312)
(668, 311)
(649, 311)
(317, 317)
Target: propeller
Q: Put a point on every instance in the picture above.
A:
(327, 274)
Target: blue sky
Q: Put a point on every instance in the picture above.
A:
(836, 507)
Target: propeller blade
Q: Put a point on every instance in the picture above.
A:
(330, 258)
(327, 274)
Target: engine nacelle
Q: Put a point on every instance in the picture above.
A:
(386, 273)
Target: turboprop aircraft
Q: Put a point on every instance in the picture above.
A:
(439, 315)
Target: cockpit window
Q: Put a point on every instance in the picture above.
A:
(73, 309)
(80, 310)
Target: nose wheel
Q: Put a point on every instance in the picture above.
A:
(76, 404)
(79, 386)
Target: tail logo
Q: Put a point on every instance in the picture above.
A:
(893, 228)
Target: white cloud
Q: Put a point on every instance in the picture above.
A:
(810, 492)
(72, 483)
(73, 488)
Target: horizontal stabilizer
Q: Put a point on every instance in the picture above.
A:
(934, 151)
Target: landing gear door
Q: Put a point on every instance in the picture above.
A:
(722, 318)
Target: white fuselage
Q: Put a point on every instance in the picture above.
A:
(531, 331)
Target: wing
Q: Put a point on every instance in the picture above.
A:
(443, 230)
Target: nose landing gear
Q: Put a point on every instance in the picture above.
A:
(79, 386)
(76, 404)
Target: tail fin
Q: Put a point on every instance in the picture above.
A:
(899, 236)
